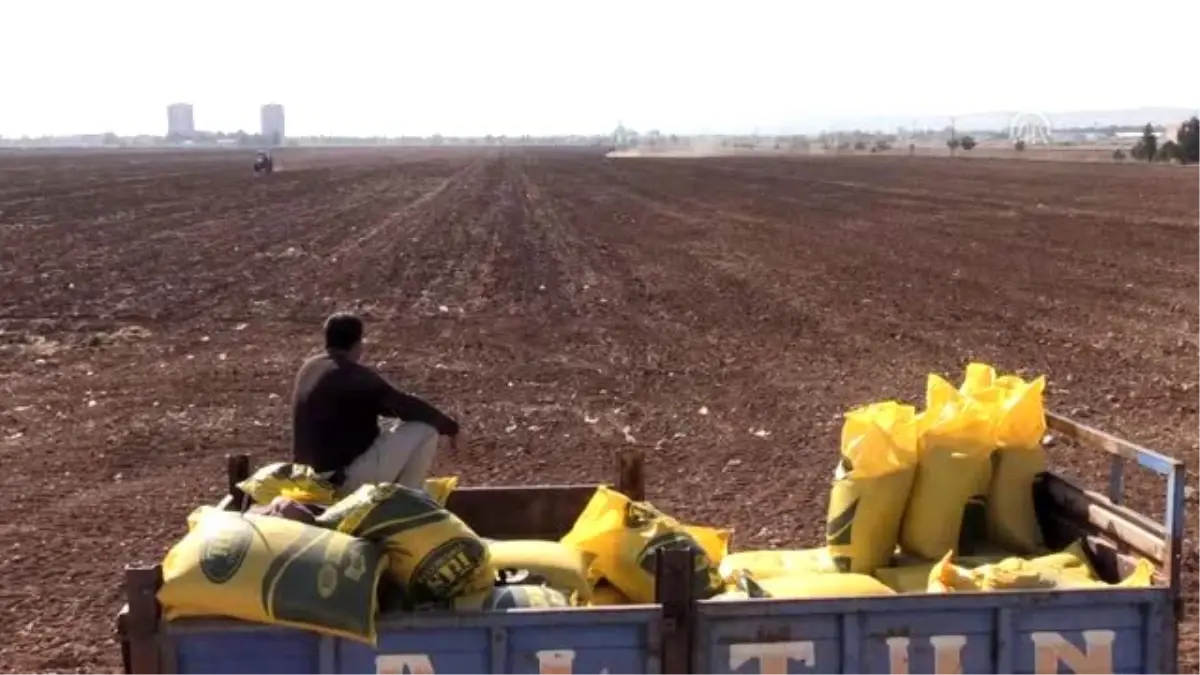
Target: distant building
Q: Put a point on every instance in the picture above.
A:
(1134, 135)
(272, 124)
(180, 122)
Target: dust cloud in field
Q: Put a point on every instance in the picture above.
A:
(696, 147)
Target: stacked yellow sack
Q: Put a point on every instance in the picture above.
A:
(550, 563)
(440, 488)
(285, 479)
(504, 598)
(777, 563)
(954, 471)
(842, 585)
(1019, 423)
(300, 483)
(914, 577)
(1066, 569)
(625, 537)
(432, 554)
(272, 570)
(1142, 576)
(963, 495)
(872, 485)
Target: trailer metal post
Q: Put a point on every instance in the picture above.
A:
(141, 627)
(631, 473)
(1116, 480)
(237, 469)
(674, 590)
(1176, 509)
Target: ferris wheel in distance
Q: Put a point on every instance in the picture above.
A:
(1031, 128)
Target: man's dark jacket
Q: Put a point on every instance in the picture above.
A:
(335, 409)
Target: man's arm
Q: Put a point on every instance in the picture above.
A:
(392, 402)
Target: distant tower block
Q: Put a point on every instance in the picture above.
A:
(181, 123)
(272, 124)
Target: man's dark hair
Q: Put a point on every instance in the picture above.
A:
(343, 331)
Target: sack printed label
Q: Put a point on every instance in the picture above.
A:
(223, 554)
(450, 566)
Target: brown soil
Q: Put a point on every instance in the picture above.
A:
(155, 306)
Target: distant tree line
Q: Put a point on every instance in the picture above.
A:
(1184, 148)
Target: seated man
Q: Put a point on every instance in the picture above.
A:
(335, 410)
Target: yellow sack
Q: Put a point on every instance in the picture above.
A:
(1071, 568)
(811, 586)
(1010, 573)
(285, 479)
(605, 595)
(504, 598)
(275, 571)
(626, 536)
(440, 488)
(1142, 576)
(871, 486)
(1013, 573)
(948, 508)
(552, 563)
(914, 578)
(1070, 563)
(432, 554)
(946, 577)
(714, 541)
(771, 564)
(1067, 569)
(1019, 423)
(1019, 419)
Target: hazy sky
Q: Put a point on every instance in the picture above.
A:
(406, 66)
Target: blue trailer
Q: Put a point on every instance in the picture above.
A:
(1079, 630)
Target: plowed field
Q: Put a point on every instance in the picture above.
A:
(720, 313)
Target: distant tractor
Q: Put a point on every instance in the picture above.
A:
(264, 163)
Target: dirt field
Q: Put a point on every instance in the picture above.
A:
(722, 313)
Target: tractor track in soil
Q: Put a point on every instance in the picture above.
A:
(721, 314)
